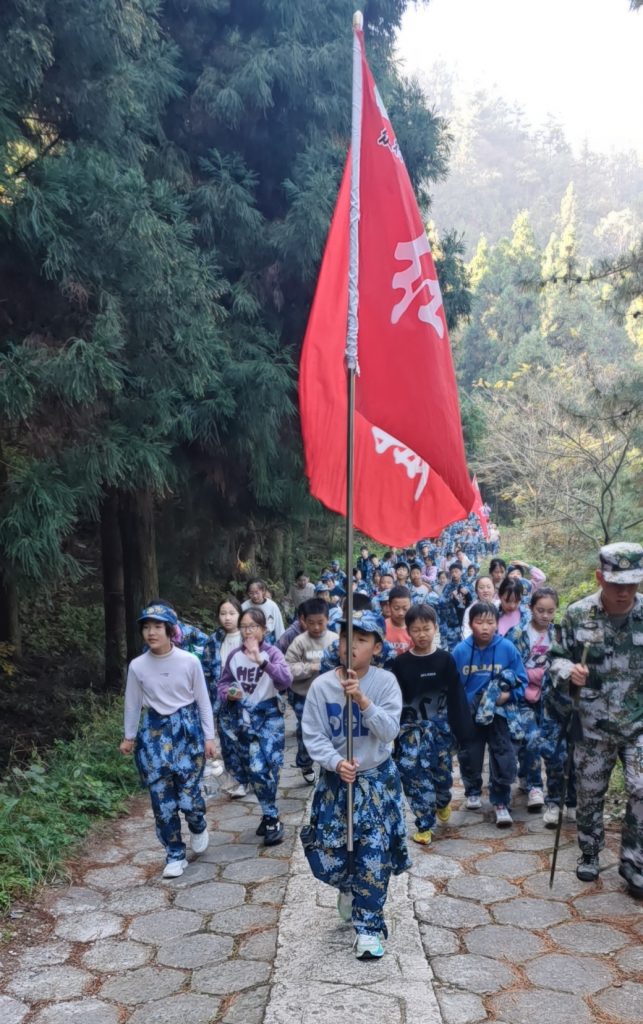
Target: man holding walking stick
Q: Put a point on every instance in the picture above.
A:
(600, 658)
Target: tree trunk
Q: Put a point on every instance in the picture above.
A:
(10, 632)
(140, 569)
(287, 559)
(113, 592)
(275, 553)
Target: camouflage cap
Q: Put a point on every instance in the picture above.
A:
(622, 562)
(321, 588)
(368, 622)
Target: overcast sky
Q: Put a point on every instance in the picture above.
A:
(581, 60)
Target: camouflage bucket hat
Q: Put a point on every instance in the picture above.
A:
(368, 622)
(622, 563)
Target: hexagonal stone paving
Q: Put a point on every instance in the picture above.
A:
(83, 1011)
(49, 983)
(143, 985)
(530, 913)
(242, 919)
(531, 842)
(463, 849)
(260, 946)
(605, 905)
(198, 871)
(195, 951)
(123, 876)
(12, 1011)
(42, 956)
(270, 892)
(259, 870)
(78, 900)
(508, 865)
(210, 897)
(430, 865)
(451, 913)
(504, 942)
(140, 900)
(460, 1007)
(578, 975)
(631, 960)
(533, 1005)
(158, 928)
(565, 885)
(89, 927)
(227, 853)
(186, 1009)
(233, 976)
(482, 888)
(622, 1004)
(248, 1007)
(108, 855)
(438, 940)
(588, 937)
(473, 973)
(113, 956)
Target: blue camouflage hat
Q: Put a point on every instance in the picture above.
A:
(361, 588)
(159, 613)
(327, 576)
(368, 622)
(321, 587)
(382, 597)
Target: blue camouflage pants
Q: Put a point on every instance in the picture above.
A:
(170, 759)
(423, 758)
(297, 701)
(379, 840)
(544, 740)
(253, 745)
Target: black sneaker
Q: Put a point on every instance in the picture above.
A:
(308, 775)
(633, 878)
(587, 870)
(261, 827)
(273, 833)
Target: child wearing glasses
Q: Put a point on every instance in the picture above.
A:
(434, 711)
(251, 717)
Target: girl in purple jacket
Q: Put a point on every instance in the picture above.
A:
(251, 717)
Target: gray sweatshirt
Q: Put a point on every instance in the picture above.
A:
(324, 720)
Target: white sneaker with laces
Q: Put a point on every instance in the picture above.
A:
(550, 817)
(217, 767)
(535, 799)
(503, 817)
(368, 947)
(174, 868)
(237, 792)
(199, 841)
(474, 803)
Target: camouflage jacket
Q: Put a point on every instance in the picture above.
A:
(612, 699)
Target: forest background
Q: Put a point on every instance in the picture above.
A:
(167, 175)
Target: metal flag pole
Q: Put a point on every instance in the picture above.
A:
(352, 369)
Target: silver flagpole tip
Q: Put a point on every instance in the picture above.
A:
(358, 21)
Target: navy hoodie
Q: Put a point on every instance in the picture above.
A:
(478, 665)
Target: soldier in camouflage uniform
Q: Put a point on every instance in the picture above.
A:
(610, 687)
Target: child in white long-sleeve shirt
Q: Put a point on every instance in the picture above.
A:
(175, 736)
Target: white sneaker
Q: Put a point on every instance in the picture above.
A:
(535, 799)
(199, 841)
(368, 947)
(474, 803)
(174, 868)
(503, 817)
(570, 813)
(550, 817)
(237, 792)
(217, 767)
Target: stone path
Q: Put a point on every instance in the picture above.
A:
(246, 936)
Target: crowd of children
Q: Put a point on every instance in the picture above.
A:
(445, 661)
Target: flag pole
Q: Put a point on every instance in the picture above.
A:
(352, 368)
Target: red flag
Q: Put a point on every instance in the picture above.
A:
(398, 497)
(411, 477)
(478, 508)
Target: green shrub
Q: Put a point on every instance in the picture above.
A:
(49, 805)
